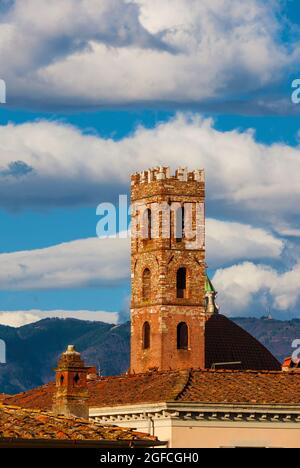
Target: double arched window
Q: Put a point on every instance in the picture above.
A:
(146, 335)
(182, 336)
(146, 284)
(181, 283)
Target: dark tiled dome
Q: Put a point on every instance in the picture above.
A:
(227, 342)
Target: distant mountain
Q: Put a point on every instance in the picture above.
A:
(276, 335)
(33, 350)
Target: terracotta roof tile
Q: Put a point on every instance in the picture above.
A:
(138, 388)
(220, 386)
(20, 423)
(272, 388)
(40, 397)
(152, 386)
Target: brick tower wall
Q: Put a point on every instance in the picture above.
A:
(164, 255)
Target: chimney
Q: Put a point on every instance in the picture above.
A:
(71, 396)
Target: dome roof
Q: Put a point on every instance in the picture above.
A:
(227, 342)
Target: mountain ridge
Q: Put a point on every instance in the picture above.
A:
(33, 349)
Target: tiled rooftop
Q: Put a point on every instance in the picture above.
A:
(233, 387)
(219, 387)
(20, 423)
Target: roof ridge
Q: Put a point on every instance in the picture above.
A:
(236, 371)
(137, 374)
(31, 390)
(183, 384)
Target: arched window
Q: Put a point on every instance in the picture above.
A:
(182, 336)
(146, 335)
(181, 283)
(179, 224)
(76, 379)
(61, 379)
(147, 224)
(146, 284)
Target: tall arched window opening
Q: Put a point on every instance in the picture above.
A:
(182, 336)
(181, 283)
(146, 335)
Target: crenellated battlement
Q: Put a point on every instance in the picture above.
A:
(163, 172)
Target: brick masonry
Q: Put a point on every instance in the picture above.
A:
(71, 396)
(164, 256)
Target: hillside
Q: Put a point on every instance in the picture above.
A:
(33, 350)
(276, 335)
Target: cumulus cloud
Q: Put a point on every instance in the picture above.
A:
(247, 283)
(19, 318)
(82, 263)
(97, 262)
(52, 164)
(92, 52)
(227, 242)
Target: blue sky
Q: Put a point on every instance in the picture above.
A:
(117, 86)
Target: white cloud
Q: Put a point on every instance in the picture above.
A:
(19, 318)
(286, 230)
(244, 284)
(80, 263)
(79, 52)
(62, 166)
(105, 262)
(228, 241)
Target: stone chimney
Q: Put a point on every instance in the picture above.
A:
(71, 396)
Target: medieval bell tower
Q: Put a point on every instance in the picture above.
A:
(167, 270)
